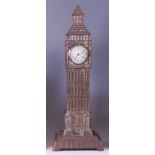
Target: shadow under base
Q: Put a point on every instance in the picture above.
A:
(90, 140)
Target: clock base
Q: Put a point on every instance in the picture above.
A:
(90, 140)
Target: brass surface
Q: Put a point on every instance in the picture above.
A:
(78, 133)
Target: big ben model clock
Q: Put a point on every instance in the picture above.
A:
(78, 134)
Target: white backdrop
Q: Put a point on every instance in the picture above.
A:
(105, 152)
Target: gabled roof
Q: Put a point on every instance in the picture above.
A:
(78, 29)
(77, 11)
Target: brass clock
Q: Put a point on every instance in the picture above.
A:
(78, 61)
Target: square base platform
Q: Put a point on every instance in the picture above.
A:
(90, 140)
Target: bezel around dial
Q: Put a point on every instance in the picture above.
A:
(73, 59)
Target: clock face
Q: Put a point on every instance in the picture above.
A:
(78, 54)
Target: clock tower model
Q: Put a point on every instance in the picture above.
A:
(78, 134)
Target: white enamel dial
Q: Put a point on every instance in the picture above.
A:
(78, 54)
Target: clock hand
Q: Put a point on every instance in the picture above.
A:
(82, 51)
(76, 57)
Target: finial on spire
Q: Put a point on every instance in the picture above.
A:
(78, 11)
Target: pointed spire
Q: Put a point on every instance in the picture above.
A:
(77, 11)
(78, 26)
